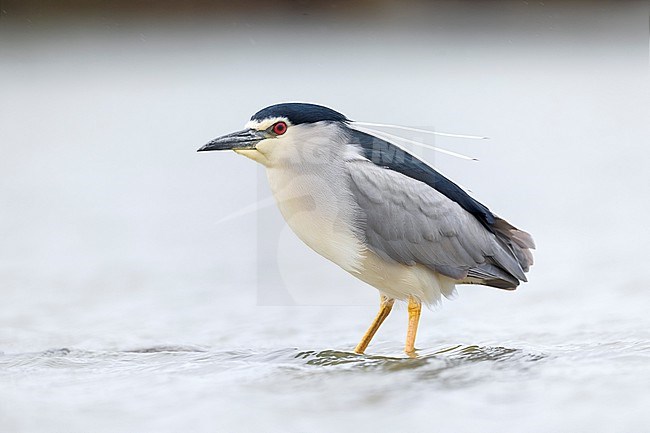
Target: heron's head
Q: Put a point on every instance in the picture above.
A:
(279, 130)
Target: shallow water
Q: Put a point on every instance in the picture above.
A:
(127, 305)
(166, 388)
(242, 367)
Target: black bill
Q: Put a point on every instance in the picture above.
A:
(245, 139)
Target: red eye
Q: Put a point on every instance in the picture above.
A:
(280, 128)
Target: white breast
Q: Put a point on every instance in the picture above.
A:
(318, 209)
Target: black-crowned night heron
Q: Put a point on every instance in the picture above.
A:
(377, 211)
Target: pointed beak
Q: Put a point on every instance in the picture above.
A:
(245, 139)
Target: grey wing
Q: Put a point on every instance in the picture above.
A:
(410, 222)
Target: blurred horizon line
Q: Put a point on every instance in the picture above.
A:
(257, 9)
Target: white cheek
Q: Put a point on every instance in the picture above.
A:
(280, 150)
(266, 146)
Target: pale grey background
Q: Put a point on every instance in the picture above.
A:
(110, 241)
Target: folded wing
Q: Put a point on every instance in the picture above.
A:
(408, 221)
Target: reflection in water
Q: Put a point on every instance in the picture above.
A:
(444, 359)
(148, 357)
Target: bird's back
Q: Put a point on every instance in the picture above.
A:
(414, 215)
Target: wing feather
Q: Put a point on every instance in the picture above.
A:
(408, 221)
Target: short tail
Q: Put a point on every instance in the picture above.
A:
(518, 241)
(506, 269)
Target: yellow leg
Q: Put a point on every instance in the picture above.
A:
(384, 310)
(414, 308)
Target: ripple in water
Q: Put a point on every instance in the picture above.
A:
(448, 358)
